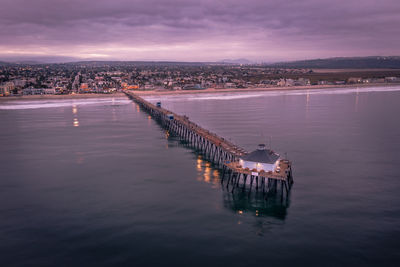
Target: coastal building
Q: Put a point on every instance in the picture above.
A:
(39, 91)
(193, 87)
(323, 82)
(392, 79)
(281, 82)
(4, 90)
(230, 85)
(340, 82)
(302, 82)
(59, 90)
(378, 80)
(260, 159)
(19, 82)
(355, 80)
(289, 82)
(84, 88)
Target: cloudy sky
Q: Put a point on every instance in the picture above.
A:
(199, 30)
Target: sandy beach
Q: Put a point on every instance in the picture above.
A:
(205, 91)
(232, 90)
(72, 96)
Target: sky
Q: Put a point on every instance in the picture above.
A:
(200, 30)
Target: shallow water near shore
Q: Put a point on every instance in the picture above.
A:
(99, 183)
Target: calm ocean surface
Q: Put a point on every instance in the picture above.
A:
(96, 182)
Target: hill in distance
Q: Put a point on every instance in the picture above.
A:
(375, 62)
(32, 60)
(236, 61)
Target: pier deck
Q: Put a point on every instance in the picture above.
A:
(282, 174)
(212, 137)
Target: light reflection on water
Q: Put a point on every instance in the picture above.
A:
(75, 114)
(76, 122)
(207, 173)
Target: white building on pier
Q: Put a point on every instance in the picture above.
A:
(260, 159)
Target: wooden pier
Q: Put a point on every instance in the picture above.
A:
(219, 151)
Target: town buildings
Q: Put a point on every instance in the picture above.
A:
(109, 77)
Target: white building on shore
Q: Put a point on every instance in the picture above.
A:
(39, 91)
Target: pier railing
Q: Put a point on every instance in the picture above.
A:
(217, 149)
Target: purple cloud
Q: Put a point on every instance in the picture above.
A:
(200, 30)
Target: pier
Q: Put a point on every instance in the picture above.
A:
(220, 151)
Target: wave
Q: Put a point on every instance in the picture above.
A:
(241, 95)
(55, 103)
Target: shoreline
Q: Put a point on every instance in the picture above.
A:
(246, 90)
(55, 97)
(183, 92)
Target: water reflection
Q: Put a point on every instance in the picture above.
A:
(75, 121)
(199, 165)
(79, 157)
(206, 172)
(255, 204)
(216, 177)
(113, 111)
(307, 103)
(356, 102)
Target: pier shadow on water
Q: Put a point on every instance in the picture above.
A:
(255, 204)
(239, 195)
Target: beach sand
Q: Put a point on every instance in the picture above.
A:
(72, 96)
(205, 91)
(212, 90)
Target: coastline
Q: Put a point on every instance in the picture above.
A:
(246, 90)
(183, 92)
(48, 97)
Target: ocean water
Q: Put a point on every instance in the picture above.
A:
(99, 183)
